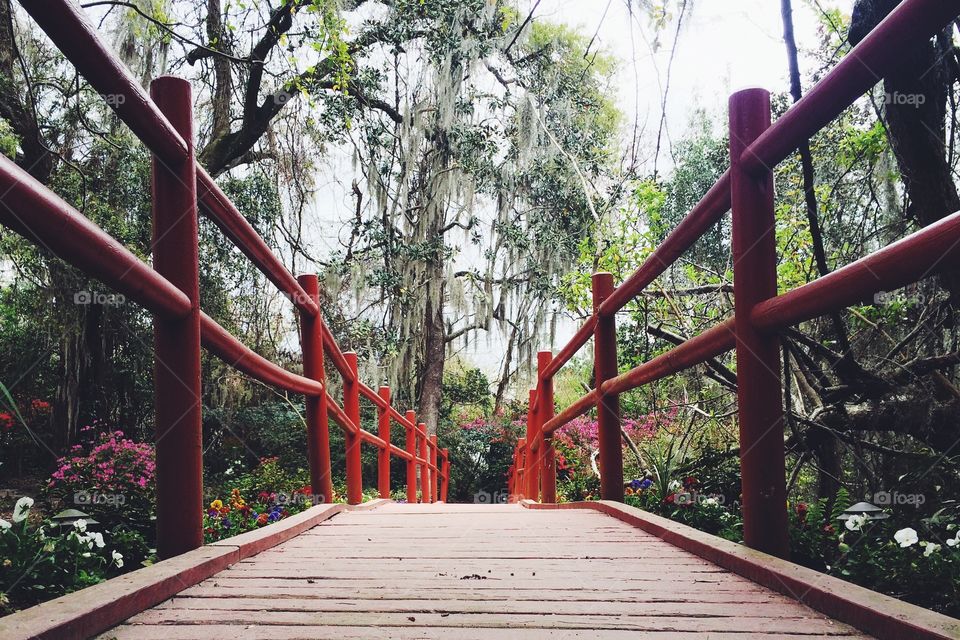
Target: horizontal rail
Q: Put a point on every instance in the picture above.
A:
(234, 353)
(709, 344)
(706, 213)
(55, 225)
(916, 256)
(580, 338)
(880, 51)
(217, 207)
(71, 32)
(575, 410)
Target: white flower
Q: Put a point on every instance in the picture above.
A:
(930, 548)
(954, 541)
(4, 525)
(96, 538)
(22, 509)
(855, 523)
(117, 558)
(80, 525)
(906, 537)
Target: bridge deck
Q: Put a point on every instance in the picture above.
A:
(497, 571)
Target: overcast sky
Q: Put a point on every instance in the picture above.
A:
(724, 45)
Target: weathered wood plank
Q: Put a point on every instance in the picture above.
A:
(477, 571)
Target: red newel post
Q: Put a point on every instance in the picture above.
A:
(548, 471)
(351, 406)
(383, 457)
(759, 393)
(179, 435)
(318, 428)
(608, 411)
(424, 471)
(412, 462)
(446, 475)
(532, 484)
(520, 485)
(435, 471)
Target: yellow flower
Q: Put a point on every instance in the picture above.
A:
(216, 504)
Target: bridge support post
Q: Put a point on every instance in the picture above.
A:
(318, 427)
(412, 462)
(383, 456)
(177, 391)
(435, 471)
(532, 467)
(608, 409)
(522, 456)
(548, 473)
(351, 406)
(759, 393)
(424, 459)
(445, 491)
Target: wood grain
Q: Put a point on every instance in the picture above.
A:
(468, 571)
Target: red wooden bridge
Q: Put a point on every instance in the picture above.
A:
(530, 569)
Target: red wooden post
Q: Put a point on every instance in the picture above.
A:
(179, 436)
(533, 464)
(351, 406)
(383, 456)
(412, 462)
(520, 485)
(759, 394)
(608, 411)
(318, 429)
(446, 474)
(424, 471)
(548, 479)
(435, 472)
(511, 474)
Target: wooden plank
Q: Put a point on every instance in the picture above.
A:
(321, 632)
(477, 571)
(811, 623)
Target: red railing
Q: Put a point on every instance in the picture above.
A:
(746, 188)
(163, 121)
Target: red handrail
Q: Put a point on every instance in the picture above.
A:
(58, 227)
(756, 147)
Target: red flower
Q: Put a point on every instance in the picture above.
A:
(6, 421)
(262, 519)
(40, 406)
(802, 511)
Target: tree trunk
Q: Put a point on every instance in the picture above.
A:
(915, 107)
(434, 350)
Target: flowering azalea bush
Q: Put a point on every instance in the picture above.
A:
(45, 561)
(112, 478)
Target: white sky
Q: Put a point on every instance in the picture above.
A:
(725, 45)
